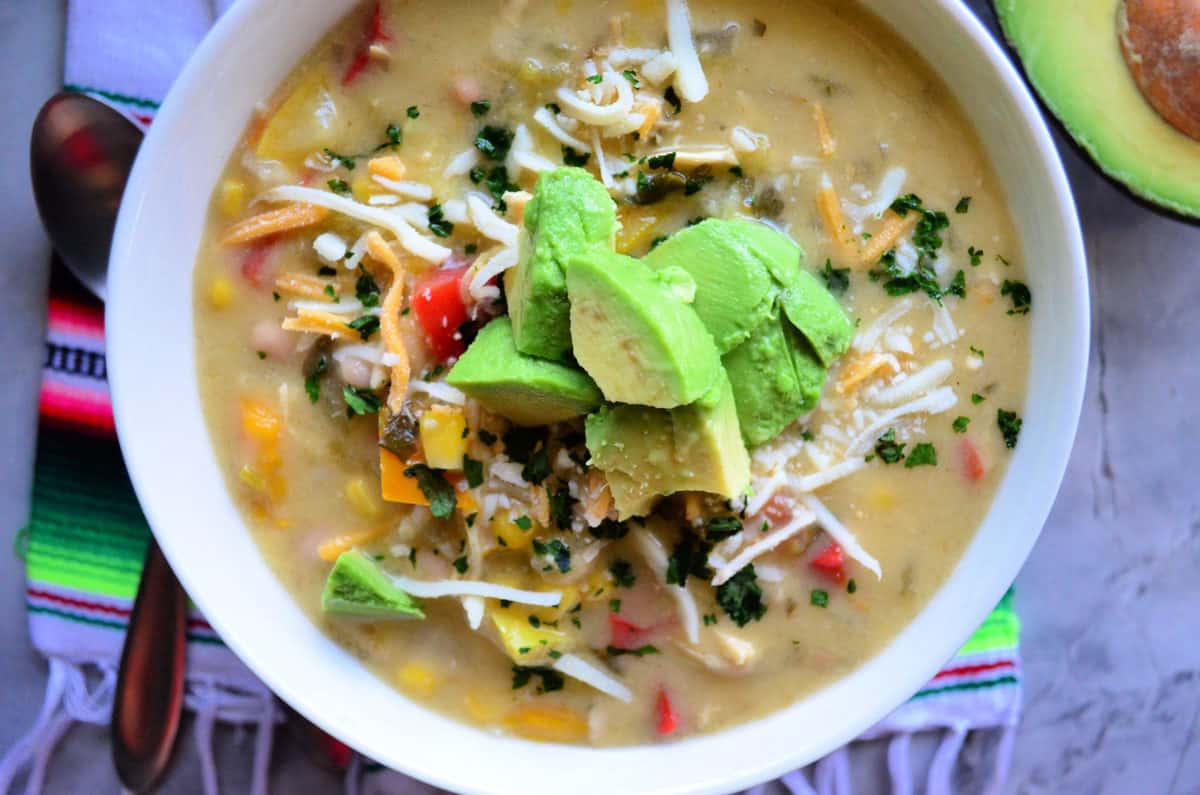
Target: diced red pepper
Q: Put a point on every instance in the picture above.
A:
(972, 461)
(375, 34)
(831, 562)
(666, 719)
(626, 634)
(437, 301)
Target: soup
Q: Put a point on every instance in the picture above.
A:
(609, 373)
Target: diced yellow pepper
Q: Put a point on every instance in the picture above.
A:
(524, 643)
(305, 122)
(417, 678)
(220, 292)
(395, 486)
(547, 722)
(233, 197)
(260, 422)
(443, 436)
(508, 534)
(360, 498)
(637, 230)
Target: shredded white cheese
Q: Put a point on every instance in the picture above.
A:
(550, 124)
(916, 384)
(488, 268)
(866, 339)
(434, 589)
(656, 556)
(841, 534)
(690, 79)
(935, 402)
(462, 163)
(800, 520)
(413, 190)
(438, 390)
(576, 667)
(490, 225)
(596, 114)
(810, 483)
(474, 608)
(409, 238)
(330, 247)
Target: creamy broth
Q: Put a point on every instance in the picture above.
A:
(307, 475)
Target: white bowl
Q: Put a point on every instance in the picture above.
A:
(166, 444)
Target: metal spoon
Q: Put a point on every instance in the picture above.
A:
(80, 156)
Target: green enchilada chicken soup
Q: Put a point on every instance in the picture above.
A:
(610, 373)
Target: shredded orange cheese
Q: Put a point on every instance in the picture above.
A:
(303, 285)
(389, 320)
(826, 144)
(335, 546)
(894, 227)
(271, 222)
(314, 322)
(830, 207)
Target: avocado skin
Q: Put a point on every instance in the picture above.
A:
(647, 453)
(525, 389)
(356, 586)
(569, 214)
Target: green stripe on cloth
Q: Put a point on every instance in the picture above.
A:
(1001, 630)
(110, 624)
(934, 691)
(112, 96)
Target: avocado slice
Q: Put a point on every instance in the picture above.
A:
(731, 264)
(570, 213)
(634, 335)
(1072, 55)
(817, 315)
(776, 377)
(525, 389)
(646, 453)
(358, 587)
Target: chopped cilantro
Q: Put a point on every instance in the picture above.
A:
(473, 470)
(595, 79)
(487, 437)
(622, 572)
(690, 557)
(560, 507)
(519, 443)
(610, 529)
(1021, 297)
(325, 270)
(1002, 261)
(537, 469)
(553, 108)
(394, 137)
(632, 77)
(640, 651)
(346, 161)
(412, 112)
(710, 619)
(435, 487)
(721, 527)
(960, 424)
(837, 280)
(977, 351)
(741, 597)
(360, 401)
(480, 108)
(331, 292)
(977, 398)
(460, 564)
(523, 522)
(957, 285)
(438, 223)
(851, 586)
(614, 605)
(1010, 426)
(339, 186)
(923, 454)
(365, 325)
(471, 517)
(552, 680)
(976, 256)
(737, 171)
(696, 183)
(964, 204)
(494, 141)
(818, 598)
(556, 550)
(664, 161)
(672, 99)
(366, 290)
(573, 158)
(888, 449)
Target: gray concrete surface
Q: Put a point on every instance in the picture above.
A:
(1109, 598)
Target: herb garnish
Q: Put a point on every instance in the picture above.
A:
(610, 529)
(560, 507)
(435, 487)
(460, 564)
(837, 280)
(537, 469)
(573, 158)
(438, 223)
(888, 449)
(960, 424)
(640, 651)
(473, 470)
(976, 256)
(496, 182)
(690, 557)
(365, 325)
(977, 398)
(312, 384)
(360, 401)
(622, 573)
(412, 112)
(631, 76)
(556, 550)
(673, 100)
(923, 454)
(552, 680)
(595, 79)
(366, 290)
(818, 598)
(666, 161)
(339, 186)
(963, 206)
(494, 141)
(1021, 297)
(1010, 426)
(480, 108)
(721, 527)
(741, 597)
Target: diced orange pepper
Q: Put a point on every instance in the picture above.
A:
(395, 486)
(260, 422)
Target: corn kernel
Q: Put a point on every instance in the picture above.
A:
(547, 722)
(508, 534)
(360, 498)
(443, 437)
(220, 292)
(252, 478)
(233, 197)
(417, 678)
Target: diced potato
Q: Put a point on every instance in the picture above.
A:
(417, 678)
(524, 643)
(547, 722)
(443, 436)
(305, 122)
(260, 422)
(233, 197)
(360, 498)
(220, 292)
(508, 534)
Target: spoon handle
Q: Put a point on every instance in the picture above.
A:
(149, 695)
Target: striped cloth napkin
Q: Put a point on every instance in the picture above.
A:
(86, 536)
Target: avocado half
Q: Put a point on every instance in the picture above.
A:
(1072, 54)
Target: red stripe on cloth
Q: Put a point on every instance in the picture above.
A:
(63, 404)
(968, 670)
(71, 317)
(194, 622)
